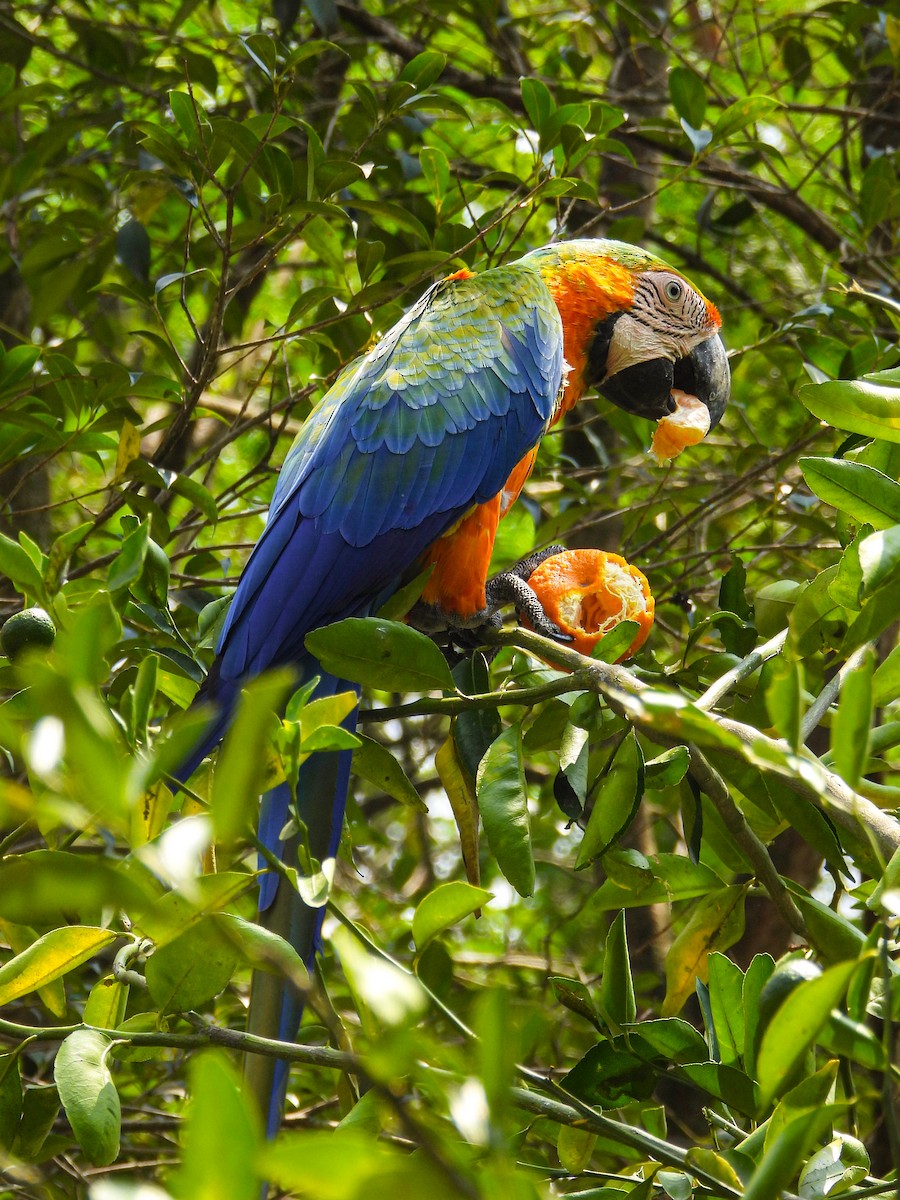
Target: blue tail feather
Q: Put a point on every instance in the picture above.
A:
(275, 1008)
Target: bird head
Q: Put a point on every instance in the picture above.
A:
(634, 328)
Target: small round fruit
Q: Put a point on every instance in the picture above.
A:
(686, 426)
(587, 593)
(31, 629)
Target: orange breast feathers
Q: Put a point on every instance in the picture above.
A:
(462, 557)
(461, 560)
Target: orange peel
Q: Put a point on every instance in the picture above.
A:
(588, 592)
(686, 426)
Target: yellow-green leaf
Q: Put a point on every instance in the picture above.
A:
(49, 958)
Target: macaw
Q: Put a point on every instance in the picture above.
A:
(409, 461)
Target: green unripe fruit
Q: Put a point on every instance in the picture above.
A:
(30, 629)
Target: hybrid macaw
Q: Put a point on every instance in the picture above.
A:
(410, 461)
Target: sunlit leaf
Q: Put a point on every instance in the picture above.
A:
(382, 654)
(443, 907)
(52, 956)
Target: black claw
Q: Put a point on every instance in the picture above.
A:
(511, 587)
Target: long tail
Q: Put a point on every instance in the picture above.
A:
(276, 1007)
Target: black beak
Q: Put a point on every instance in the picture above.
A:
(645, 388)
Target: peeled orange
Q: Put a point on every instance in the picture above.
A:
(686, 426)
(588, 592)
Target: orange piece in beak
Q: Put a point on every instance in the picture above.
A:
(588, 592)
(686, 426)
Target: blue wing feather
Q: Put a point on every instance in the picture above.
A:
(427, 424)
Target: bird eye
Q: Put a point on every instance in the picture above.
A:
(673, 290)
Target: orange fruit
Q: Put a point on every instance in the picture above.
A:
(686, 426)
(588, 592)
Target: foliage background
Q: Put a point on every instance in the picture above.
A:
(207, 210)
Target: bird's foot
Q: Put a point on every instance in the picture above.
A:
(511, 587)
(460, 637)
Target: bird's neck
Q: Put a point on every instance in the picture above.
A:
(586, 293)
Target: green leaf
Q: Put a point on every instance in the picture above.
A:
(786, 1151)
(133, 249)
(183, 111)
(221, 1137)
(393, 996)
(105, 1006)
(52, 995)
(380, 654)
(476, 728)
(846, 586)
(89, 1095)
(498, 1046)
(238, 779)
(673, 1039)
(616, 800)
(834, 936)
(191, 969)
(726, 983)
(10, 1097)
(424, 70)
(18, 568)
(851, 724)
(46, 886)
(573, 995)
(374, 762)
(836, 1167)
(741, 113)
(263, 949)
(325, 714)
(812, 823)
(128, 565)
(863, 406)
(263, 49)
(667, 878)
(715, 1164)
(443, 907)
(668, 768)
(143, 694)
(40, 1109)
(617, 986)
(815, 619)
(886, 680)
(795, 1026)
(51, 957)
(319, 1165)
(854, 488)
(814, 1091)
(879, 559)
(612, 1075)
(197, 494)
(784, 699)
(503, 804)
(613, 645)
(574, 1148)
(726, 1083)
(539, 103)
(16, 364)
(877, 191)
(688, 95)
(845, 1038)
